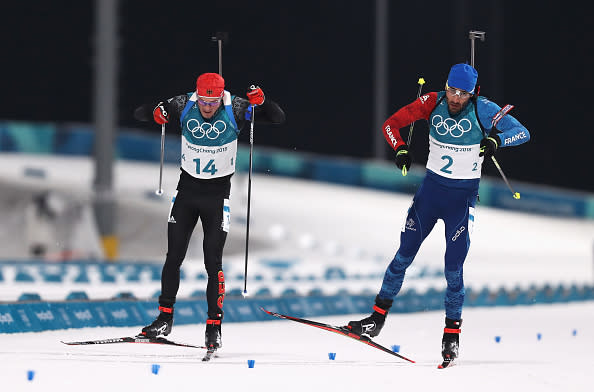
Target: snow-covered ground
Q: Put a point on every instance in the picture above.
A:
(306, 228)
(293, 357)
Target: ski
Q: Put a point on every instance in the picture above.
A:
(339, 330)
(134, 339)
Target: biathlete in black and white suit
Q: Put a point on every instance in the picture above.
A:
(210, 119)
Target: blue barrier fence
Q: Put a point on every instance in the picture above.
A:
(67, 272)
(35, 316)
(78, 139)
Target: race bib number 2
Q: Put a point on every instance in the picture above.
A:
(454, 161)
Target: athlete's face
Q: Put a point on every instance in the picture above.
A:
(457, 99)
(208, 106)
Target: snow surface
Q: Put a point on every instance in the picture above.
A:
(316, 226)
(293, 357)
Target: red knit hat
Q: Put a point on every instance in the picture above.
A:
(210, 85)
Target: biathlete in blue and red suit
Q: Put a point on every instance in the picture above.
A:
(463, 130)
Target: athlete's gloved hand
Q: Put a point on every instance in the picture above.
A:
(255, 95)
(489, 146)
(403, 157)
(160, 114)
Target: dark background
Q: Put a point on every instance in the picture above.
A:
(315, 58)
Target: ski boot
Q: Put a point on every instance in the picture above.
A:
(372, 325)
(450, 342)
(161, 326)
(212, 335)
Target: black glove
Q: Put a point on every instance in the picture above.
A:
(489, 146)
(403, 157)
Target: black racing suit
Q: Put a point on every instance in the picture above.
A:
(201, 198)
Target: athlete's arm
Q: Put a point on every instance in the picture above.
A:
(509, 130)
(267, 113)
(417, 110)
(174, 107)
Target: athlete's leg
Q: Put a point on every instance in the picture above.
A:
(183, 217)
(215, 222)
(419, 223)
(458, 227)
(420, 220)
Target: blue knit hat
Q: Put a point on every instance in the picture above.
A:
(463, 77)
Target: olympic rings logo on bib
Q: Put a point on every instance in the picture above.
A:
(455, 128)
(211, 131)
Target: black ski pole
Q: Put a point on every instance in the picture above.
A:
(159, 190)
(247, 228)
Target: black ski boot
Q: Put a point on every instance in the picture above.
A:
(161, 326)
(372, 325)
(450, 342)
(212, 335)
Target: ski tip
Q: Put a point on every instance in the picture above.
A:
(72, 343)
